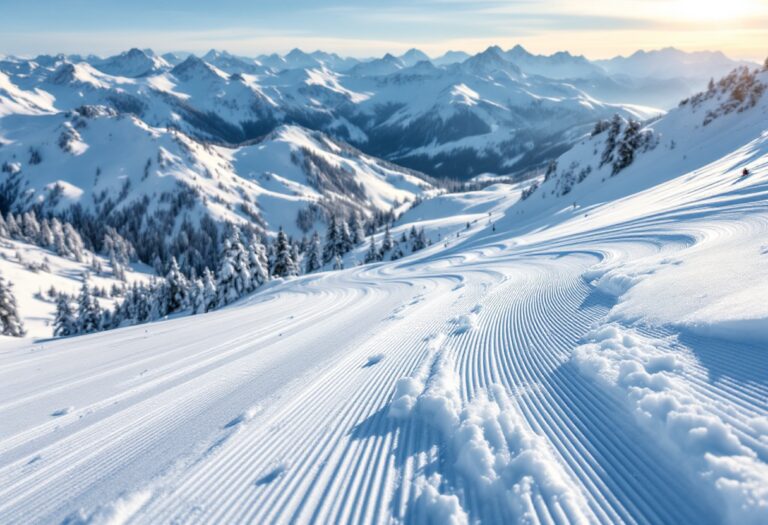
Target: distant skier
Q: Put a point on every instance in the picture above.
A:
(745, 172)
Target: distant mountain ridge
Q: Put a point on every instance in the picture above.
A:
(457, 116)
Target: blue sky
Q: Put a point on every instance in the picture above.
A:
(598, 28)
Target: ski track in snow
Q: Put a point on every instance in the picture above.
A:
(471, 385)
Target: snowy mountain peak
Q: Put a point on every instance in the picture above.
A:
(519, 51)
(450, 57)
(490, 61)
(76, 74)
(413, 56)
(132, 63)
(194, 67)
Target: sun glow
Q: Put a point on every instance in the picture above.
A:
(714, 10)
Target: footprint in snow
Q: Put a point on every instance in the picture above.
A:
(271, 476)
(245, 417)
(372, 360)
(61, 412)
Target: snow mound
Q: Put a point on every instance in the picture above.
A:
(658, 384)
(488, 444)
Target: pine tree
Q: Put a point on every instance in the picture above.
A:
(372, 255)
(30, 227)
(234, 276)
(46, 235)
(630, 142)
(386, 244)
(209, 291)
(345, 239)
(117, 268)
(64, 323)
(284, 263)
(14, 231)
(356, 229)
(338, 263)
(418, 241)
(297, 257)
(314, 259)
(332, 241)
(88, 311)
(177, 288)
(3, 227)
(196, 296)
(258, 264)
(610, 141)
(397, 252)
(158, 300)
(9, 314)
(74, 243)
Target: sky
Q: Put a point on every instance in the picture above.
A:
(362, 28)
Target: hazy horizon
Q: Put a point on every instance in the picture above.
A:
(363, 29)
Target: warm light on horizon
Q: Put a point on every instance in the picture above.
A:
(715, 10)
(597, 29)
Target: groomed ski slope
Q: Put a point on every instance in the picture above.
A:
(538, 373)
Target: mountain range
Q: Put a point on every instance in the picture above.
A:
(457, 116)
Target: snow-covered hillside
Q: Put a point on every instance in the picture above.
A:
(158, 186)
(40, 275)
(596, 355)
(93, 156)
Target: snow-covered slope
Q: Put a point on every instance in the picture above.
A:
(566, 359)
(111, 165)
(38, 275)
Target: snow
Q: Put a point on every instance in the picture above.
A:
(661, 387)
(596, 375)
(30, 287)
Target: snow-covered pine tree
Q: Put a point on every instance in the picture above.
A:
(372, 255)
(284, 266)
(9, 313)
(258, 264)
(159, 299)
(356, 229)
(397, 252)
(338, 263)
(196, 296)
(418, 241)
(14, 231)
(314, 258)
(332, 241)
(234, 277)
(296, 256)
(105, 321)
(386, 244)
(345, 239)
(629, 144)
(64, 324)
(74, 242)
(115, 244)
(177, 288)
(88, 311)
(117, 269)
(30, 227)
(610, 141)
(46, 235)
(209, 291)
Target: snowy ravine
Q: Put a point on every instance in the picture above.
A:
(593, 358)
